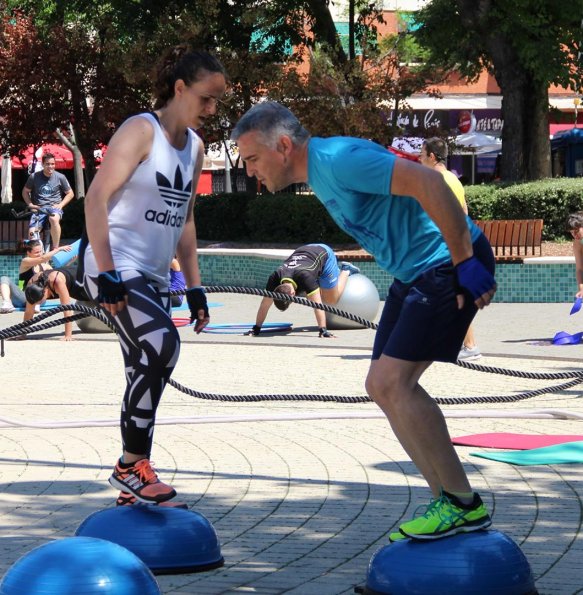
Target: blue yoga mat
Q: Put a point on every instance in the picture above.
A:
(184, 306)
(568, 452)
(46, 306)
(239, 328)
(54, 303)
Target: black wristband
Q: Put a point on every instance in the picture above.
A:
(110, 288)
(196, 300)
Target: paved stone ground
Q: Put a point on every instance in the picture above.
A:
(300, 505)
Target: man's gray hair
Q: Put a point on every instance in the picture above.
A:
(272, 120)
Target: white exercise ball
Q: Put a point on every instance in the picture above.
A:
(361, 298)
(90, 324)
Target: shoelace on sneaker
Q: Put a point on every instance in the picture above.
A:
(439, 506)
(426, 510)
(145, 471)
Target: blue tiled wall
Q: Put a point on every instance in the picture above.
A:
(9, 265)
(522, 283)
(517, 283)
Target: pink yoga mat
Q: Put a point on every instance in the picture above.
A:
(513, 441)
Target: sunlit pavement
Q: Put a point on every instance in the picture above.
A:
(300, 505)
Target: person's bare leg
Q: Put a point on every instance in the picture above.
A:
(417, 422)
(342, 279)
(5, 292)
(469, 339)
(332, 295)
(55, 231)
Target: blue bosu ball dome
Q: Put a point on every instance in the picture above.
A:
(477, 563)
(168, 540)
(79, 566)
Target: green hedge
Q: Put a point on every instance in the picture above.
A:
(277, 218)
(551, 200)
(301, 218)
(221, 217)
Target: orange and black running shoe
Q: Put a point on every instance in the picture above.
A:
(141, 481)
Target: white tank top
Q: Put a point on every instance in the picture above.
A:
(147, 214)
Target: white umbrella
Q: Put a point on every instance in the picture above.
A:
(6, 180)
(476, 143)
(408, 144)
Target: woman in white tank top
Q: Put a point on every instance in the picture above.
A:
(139, 214)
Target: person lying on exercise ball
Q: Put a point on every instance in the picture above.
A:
(313, 270)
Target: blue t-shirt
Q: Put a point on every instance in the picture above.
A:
(352, 178)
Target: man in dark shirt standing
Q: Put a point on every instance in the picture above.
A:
(48, 191)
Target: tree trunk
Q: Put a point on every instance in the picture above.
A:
(526, 150)
(78, 174)
(77, 162)
(525, 136)
(537, 146)
(513, 83)
(351, 44)
(512, 162)
(324, 29)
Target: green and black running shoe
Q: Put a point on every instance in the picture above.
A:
(447, 515)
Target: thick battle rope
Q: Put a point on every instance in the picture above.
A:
(35, 325)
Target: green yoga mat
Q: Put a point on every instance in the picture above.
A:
(568, 452)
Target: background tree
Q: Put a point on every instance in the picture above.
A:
(328, 102)
(77, 68)
(63, 80)
(23, 87)
(81, 67)
(527, 45)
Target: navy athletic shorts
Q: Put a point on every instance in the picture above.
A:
(421, 320)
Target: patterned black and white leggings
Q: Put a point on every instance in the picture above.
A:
(150, 345)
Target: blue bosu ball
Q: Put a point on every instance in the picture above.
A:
(79, 566)
(480, 563)
(168, 540)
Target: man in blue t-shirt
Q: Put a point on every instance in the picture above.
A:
(48, 192)
(406, 216)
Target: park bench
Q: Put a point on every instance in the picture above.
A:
(513, 239)
(11, 233)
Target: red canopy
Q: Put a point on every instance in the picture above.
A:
(63, 157)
